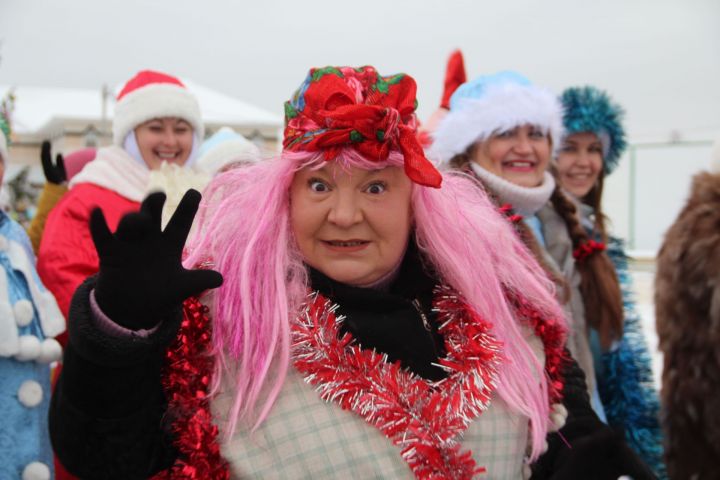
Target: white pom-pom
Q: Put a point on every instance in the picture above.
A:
(36, 471)
(50, 351)
(558, 417)
(29, 348)
(30, 394)
(3, 243)
(23, 311)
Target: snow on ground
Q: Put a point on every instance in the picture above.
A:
(643, 278)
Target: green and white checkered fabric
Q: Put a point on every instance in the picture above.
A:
(305, 437)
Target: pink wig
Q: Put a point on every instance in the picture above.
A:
(246, 233)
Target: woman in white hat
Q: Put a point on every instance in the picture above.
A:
(502, 130)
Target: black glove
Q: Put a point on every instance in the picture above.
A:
(603, 455)
(54, 173)
(141, 278)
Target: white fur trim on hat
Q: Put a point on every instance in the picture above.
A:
(228, 153)
(30, 394)
(155, 101)
(23, 311)
(36, 471)
(501, 108)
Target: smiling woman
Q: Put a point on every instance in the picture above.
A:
(370, 324)
(156, 120)
(166, 139)
(502, 129)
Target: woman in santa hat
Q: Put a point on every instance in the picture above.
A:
(156, 121)
(371, 323)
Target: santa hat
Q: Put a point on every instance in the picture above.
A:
(454, 77)
(224, 148)
(151, 95)
(587, 109)
(492, 104)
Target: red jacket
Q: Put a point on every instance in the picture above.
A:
(67, 254)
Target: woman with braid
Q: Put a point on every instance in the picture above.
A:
(501, 129)
(591, 148)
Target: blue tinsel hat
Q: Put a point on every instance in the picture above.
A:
(588, 109)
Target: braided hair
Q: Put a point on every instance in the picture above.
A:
(599, 284)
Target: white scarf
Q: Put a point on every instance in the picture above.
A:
(114, 169)
(526, 201)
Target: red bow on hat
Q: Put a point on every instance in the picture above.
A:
(343, 106)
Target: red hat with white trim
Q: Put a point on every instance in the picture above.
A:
(149, 95)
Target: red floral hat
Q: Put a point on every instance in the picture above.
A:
(336, 107)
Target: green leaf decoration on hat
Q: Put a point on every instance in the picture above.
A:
(383, 83)
(318, 73)
(589, 109)
(290, 111)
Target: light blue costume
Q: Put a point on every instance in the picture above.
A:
(29, 319)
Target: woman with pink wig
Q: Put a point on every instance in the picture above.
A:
(370, 324)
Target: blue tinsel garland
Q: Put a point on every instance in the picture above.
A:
(626, 384)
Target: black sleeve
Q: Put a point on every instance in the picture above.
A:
(586, 447)
(108, 408)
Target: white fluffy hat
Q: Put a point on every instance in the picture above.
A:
(491, 104)
(149, 95)
(224, 148)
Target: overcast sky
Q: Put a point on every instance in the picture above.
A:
(659, 58)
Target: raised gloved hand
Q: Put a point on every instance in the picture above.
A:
(141, 278)
(54, 172)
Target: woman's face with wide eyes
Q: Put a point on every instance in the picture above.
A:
(520, 155)
(579, 163)
(351, 224)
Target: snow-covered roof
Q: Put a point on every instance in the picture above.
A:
(38, 110)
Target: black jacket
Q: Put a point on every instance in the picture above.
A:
(108, 414)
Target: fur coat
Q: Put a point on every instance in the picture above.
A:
(687, 300)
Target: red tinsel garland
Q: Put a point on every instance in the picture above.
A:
(425, 419)
(584, 250)
(186, 380)
(553, 335)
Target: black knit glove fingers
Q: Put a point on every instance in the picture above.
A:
(141, 278)
(54, 172)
